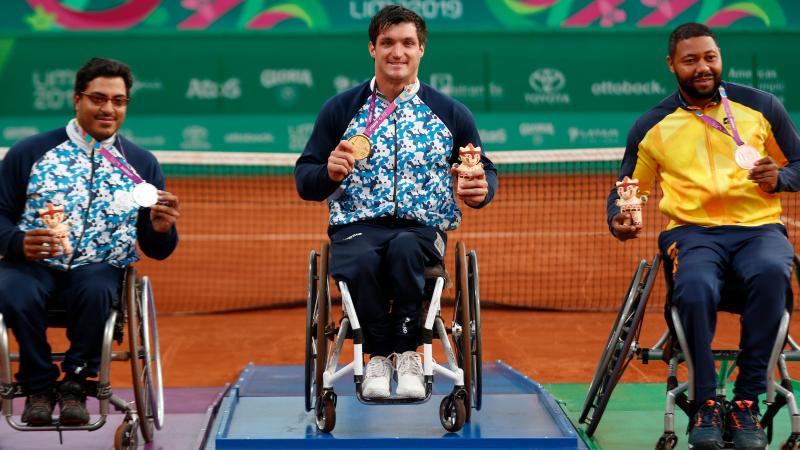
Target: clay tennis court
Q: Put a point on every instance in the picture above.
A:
(549, 347)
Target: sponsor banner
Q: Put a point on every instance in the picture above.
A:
(290, 133)
(206, 133)
(255, 75)
(153, 16)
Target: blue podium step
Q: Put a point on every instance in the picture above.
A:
(265, 409)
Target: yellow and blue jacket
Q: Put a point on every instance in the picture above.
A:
(694, 163)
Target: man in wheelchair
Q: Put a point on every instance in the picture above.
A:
(74, 202)
(392, 200)
(724, 216)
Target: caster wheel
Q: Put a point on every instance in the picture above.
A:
(126, 436)
(452, 413)
(667, 442)
(326, 412)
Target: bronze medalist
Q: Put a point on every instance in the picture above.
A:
(362, 146)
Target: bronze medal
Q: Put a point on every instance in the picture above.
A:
(746, 156)
(362, 146)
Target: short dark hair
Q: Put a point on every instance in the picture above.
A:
(106, 68)
(393, 15)
(687, 31)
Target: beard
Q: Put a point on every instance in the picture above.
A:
(689, 88)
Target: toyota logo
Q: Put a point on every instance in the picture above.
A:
(547, 80)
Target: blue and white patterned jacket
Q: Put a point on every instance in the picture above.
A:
(408, 174)
(58, 167)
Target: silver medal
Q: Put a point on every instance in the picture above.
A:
(145, 195)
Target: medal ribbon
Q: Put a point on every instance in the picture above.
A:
(710, 121)
(95, 144)
(122, 167)
(407, 94)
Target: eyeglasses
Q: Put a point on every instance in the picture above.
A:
(100, 99)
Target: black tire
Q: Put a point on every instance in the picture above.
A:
(311, 354)
(322, 319)
(620, 349)
(628, 304)
(452, 413)
(463, 343)
(475, 325)
(326, 412)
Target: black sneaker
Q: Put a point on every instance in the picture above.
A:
(745, 427)
(72, 403)
(39, 409)
(706, 427)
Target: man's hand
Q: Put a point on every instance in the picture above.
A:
(341, 162)
(41, 243)
(165, 212)
(622, 227)
(765, 173)
(472, 191)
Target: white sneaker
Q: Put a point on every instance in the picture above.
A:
(376, 378)
(410, 379)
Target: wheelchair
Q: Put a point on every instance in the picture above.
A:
(134, 310)
(623, 346)
(324, 341)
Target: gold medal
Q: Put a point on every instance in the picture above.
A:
(362, 146)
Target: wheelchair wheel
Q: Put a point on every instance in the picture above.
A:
(126, 436)
(461, 312)
(475, 328)
(667, 442)
(143, 343)
(326, 412)
(621, 346)
(321, 321)
(452, 412)
(311, 354)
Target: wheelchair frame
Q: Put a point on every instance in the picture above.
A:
(136, 309)
(324, 338)
(623, 346)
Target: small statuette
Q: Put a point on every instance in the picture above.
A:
(746, 156)
(629, 201)
(470, 158)
(53, 217)
(362, 146)
(145, 194)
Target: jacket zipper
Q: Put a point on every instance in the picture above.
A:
(712, 164)
(396, 141)
(85, 213)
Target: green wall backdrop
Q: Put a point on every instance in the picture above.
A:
(255, 92)
(250, 75)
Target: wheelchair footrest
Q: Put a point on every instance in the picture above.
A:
(11, 391)
(394, 400)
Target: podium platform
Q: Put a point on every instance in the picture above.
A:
(265, 409)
